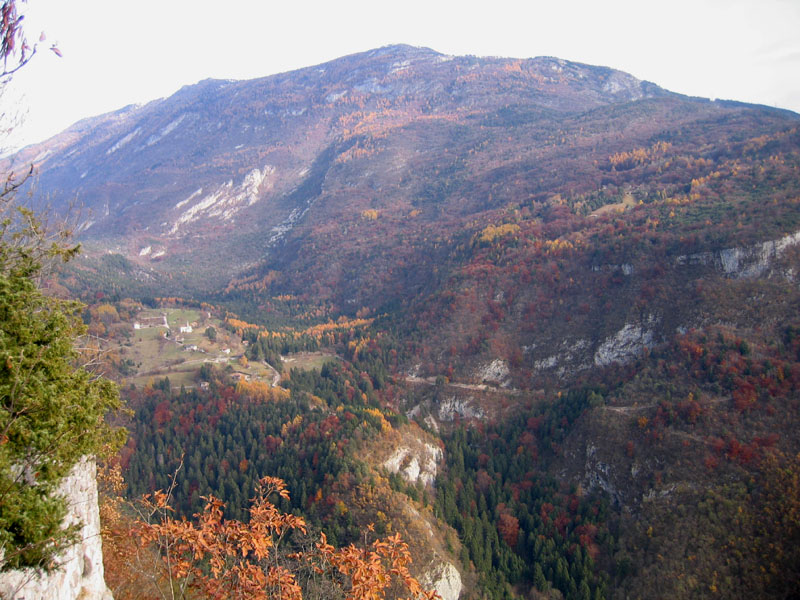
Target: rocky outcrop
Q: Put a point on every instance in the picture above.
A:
(444, 578)
(496, 372)
(418, 464)
(80, 575)
(752, 261)
(452, 408)
(568, 358)
(627, 344)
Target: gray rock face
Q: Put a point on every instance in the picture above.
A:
(419, 464)
(453, 407)
(444, 578)
(81, 571)
(496, 372)
(625, 345)
(569, 357)
(743, 263)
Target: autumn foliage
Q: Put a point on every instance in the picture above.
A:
(212, 557)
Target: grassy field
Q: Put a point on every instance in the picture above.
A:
(158, 351)
(628, 201)
(307, 361)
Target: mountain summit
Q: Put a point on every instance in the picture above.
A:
(250, 156)
(280, 177)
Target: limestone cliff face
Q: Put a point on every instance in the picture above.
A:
(81, 571)
(444, 578)
(748, 262)
(415, 464)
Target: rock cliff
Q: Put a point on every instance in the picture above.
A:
(81, 572)
(445, 579)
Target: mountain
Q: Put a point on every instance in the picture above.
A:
(366, 181)
(250, 157)
(595, 275)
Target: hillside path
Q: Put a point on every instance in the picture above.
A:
(479, 387)
(276, 377)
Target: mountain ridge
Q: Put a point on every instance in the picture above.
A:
(123, 158)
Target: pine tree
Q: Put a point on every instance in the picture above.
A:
(51, 413)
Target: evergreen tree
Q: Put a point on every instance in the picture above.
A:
(51, 413)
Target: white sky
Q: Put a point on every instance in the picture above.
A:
(117, 53)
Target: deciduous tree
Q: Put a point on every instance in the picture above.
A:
(222, 558)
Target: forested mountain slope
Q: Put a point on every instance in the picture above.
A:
(583, 284)
(246, 159)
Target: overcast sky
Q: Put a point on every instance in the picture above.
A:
(117, 53)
